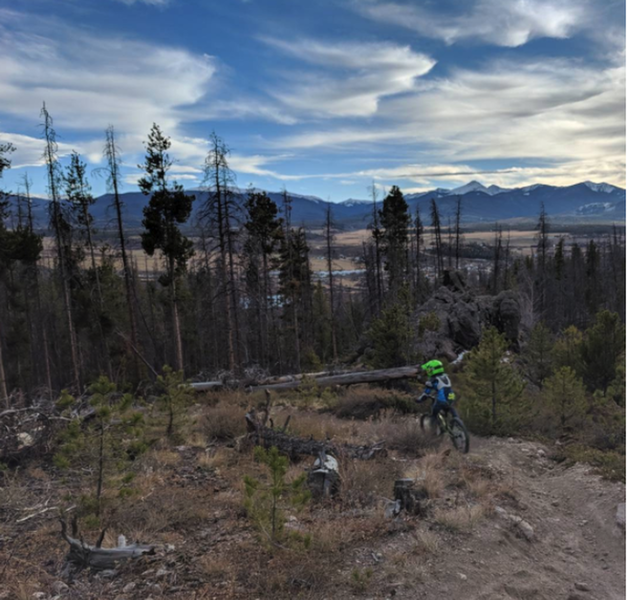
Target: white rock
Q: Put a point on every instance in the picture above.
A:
(620, 515)
(129, 587)
(462, 576)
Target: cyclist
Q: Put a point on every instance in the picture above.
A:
(439, 382)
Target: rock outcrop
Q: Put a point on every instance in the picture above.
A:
(462, 317)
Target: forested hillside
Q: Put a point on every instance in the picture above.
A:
(101, 333)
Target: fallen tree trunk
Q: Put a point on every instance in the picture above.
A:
(325, 379)
(347, 378)
(84, 555)
(295, 446)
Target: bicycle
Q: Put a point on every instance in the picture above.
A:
(447, 423)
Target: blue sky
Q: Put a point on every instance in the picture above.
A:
(324, 97)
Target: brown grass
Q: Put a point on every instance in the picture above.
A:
(461, 518)
(223, 423)
(365, 483)
(405, 435)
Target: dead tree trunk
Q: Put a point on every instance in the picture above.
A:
(295, 446)
(84, 555)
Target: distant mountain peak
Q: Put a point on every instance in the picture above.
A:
(605, 188)
(472, 186)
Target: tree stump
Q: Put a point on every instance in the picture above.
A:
(323, 479)
(412, 496)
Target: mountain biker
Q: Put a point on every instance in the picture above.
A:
(439, 382)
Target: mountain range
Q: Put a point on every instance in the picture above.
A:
(582, 202)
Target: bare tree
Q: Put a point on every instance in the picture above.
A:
(59, 227)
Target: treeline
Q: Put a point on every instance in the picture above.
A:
(238, 295)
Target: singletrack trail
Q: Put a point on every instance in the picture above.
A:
(577, 550)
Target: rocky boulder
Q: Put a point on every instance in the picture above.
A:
(461, 317)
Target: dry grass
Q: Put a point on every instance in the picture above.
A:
(425, 542)
(405, 435)
(365, 483)
(223, 423)
(461, 518)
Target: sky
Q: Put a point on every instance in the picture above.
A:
(322, 97)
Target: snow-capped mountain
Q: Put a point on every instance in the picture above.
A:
(587, 200)
(606, 188)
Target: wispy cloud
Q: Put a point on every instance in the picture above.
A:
(349, 79)
(90, 80)
(504, 23)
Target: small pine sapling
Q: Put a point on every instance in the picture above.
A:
(266, 503)
(104, 440)
(176, 396)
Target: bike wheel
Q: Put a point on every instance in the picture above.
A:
(459, 435)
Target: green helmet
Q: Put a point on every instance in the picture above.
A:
(433, 367)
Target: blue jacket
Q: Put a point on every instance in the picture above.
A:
(442, 385)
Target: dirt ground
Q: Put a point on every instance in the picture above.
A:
(505, 521)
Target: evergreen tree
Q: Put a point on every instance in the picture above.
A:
(537, 355)
(169, 206)
(263, 228)
(390, 337)
(438, 243)
(105, 442)
(567, 350)
(494, 384)
(395, 221)
(604, 343)
(564, 392)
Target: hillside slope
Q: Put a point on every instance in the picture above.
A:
(469, 545)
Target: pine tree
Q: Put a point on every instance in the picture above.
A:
(218, 213)
(264, 232)
(112, 169)
(169, 206)
(567, 350)
(494, 384)
(604, 342)
(105, 442)
(438, 244)
(329, 240)
(62, 233)
(266, 503)
(395, 221)
(5, 163)
(564, 392)
(537, 355)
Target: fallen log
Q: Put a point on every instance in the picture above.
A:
(294, 447)
(325, 379)
(84, 555)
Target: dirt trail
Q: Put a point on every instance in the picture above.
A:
(577, 551)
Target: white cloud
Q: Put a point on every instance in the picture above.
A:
(29, 150)
(349, 79)
(552, 111)
(90, 80)
(502, 22)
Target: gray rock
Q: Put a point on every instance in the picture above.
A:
(129, 587)
(581, 587)
(465, 327)
(620, 515)
(108, 574)
(58, 587)
(161, 573)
